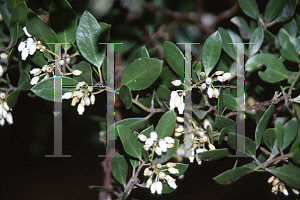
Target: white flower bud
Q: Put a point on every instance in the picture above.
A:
(201, 133)
(169, 140)
(216, 92)
(202, 74)
(76, 72)
(1, 109)
(153, 135)
(147, 172)
(179, 129)
(210, 92)
(208, 80)
(179, 119)
(203, 85)
(2, 121)
(206, 123)
(158, 151)
(270, 180)
(3, 56)
(142, 137)
(276, 181)
(181, 108)
(161, 175)
(5, 106)
(153, 188)
(191, 159)
(159, 187)
(146, 147)
(170, 146)
(295, 191)
(172, 104)
(24, 53)
(176, 82)
(34, 80)
(173, 170)
(21, 46)
(67, 95)
(92, 99)
(9, 118)
(274, 188)
(74, 101)
(80, 109)
(174, 94)
(4, 113)
(204, 138)
(219, 73)
(163, 145)
(35, 71)
(149, 182)
(87, 101)
(211, 146)
(199, 150)
(26, 32)
(29, 42)
(285, 192)
(1, 70)
(178, 101)
(90, 88)
(220, 78)
(49, 69)
(2, 95)
(149, 142)
(226, 76)
(158, 166)
(170, 164)
(32, 49)
(172, 184)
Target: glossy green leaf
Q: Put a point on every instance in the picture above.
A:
(224, 122)
(275, 72)
(126, 96)
(38, 58)
(133, 123)
(163, 92)
(119, 168)
(166, 76)
(142, 53)
(273, 8)
(19, 15)
(290, 174)
(166, 156)
(241, 23)
(224, 132)
(269, 137)
(12, 98)
(198, 69)
(296, 156)
(130, 141)
(287, 11)
(211, 52)
(166, 125)
(214, 154)
(279, 134)
(174, 57)
(250, 8)
(269, 37)
(249, 144)
(24, 81)
(38, 28)
(88, 38)
(291, 27)
(5, 13)
(297, 19)
(141, 73)
(11, 4)
(86, 70)
(63, 22)
(234, 174)
(13, 41)
(229, 101)
(258, 115)
(288, 52)
(256, 40)
(45, 88)
(262, 125)
(229, 48)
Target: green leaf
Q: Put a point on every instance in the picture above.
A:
(126, 96)
(19, 15)
(174, 57)
(166, 156)
(224, 122)
(11, 4)
(147, 131)
(297, 18)
(269, 37)
(86, 70)
(101, 188)
(262, 125)
(180, 166)
(163, 92)
(142, 53)
(249, 144)
(166, 76)
(241, 23)
(24, 81)
(296, 156)
(220, 102)
(275, 72)
(141, 73)
(258, 115)
(279, 134)
(5, 13)
(45, 88)
(234, 174)
(273, 8)
(269, 137)
(13, 41)
(199, 113)
(63, 21)
(132, 123)
(134, 163)
(130, 141)
(39, 29)
(88, 38)
(166, 125)
(224, 132)
(250, 8)
(12, 98)
(291, 27)
(211, 52)
(198, 69)
(288, 52)
(214, 154)
(290, 174)
(38, 58)
(287, 11)
(119, 168)
(229, 101)
(256, 39)
(226, 40)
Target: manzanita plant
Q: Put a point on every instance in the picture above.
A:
(196, 97)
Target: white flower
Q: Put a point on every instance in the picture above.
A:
(146, 147)
(203, 85)
(216, 92)
(1, 70)
(179, 119)
(161, 175)
(199, 150)
(295, 191)
(61, 62)
(142, 137)
(170, 164)
(208, 80)
(79, 94)
(26, 32)
(173, 170)
(80, 109)
(211, 146)
(67, 95)
(172, 104)
(21, 46)
(149, 142)
(2, 121)
(169, 140)
(172, 184)
(270, 180)
(174, 94)
(4, 113)
(34, 80)
(77, 72)
(92, 99)
(210, 92)
(153, 188)
(176, 82)
(147, 172)
(158, 151)
(35, 71)
(181, 108)
(29, 42)
(226, 76)
(2, 95)
(285, 192)
(1, 109)
(163, 145)
(9, 118)
(24, 54)
(178, 101)
(220, 78)
(179, 129)
(191, 159)
(3, 56)
(32, 49)
(158, 186)
(5, 106)
(149, 182)
(219, 73)
(201, 133)
(153, 135)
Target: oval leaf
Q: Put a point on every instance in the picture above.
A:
(166, 125)
(19, 15)
(290, 174)
(214, 154)
(174, 57)
(142, 53)
(119, 168)
(256, 40)
(273, 8)
(125, 95)
(287, 11)
(250, 8)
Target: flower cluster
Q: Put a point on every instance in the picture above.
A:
(29, 46)
(176, 101)
(82, 93)
(159, 146)
(4, 111)
(161, 173)
(277, 184)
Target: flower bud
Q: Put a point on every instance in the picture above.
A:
(2, 95)
(158, 151)
(219, 73)
(174, 94)
(179, 119)
(161, 175)
(199, 150)
(142, 137)
(153, 188)
(2, 121)
(295, 191)
(285, 192)
(173, 170)
(208, 80)
(176, 82)
(206, 123)
(204, 138)
(76, 72)
(181, 108)
(32, 49)
(172, 184)
(149, 142)
(178, 101)
(26, 32)
(158, 166)
(275, 181)
(35, 71)
(270, 180)
(5, 106)
(49, 69)
(62, 62)
(1, 70)
(24, 53)
(202, 74)
(203, 85)
(163, 145)
(226, 76)
(169, 140)
(149, 182)
(170, 146)
(172, 104)
(9, 118)
(92, 99)
(210, 92)
(21, 46)
(80, 109)
(220, 78)
(34, 80)
(153, 135)
(274, 188)
(179, 129)
(74, 101)
(3, 56)
(79, 94)
(90, 89)
(159, 187)
(87, 101)
(170, 164)
(146, 148)
(147, 172)
(211, 146)
(67, 95)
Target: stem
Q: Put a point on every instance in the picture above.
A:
(294, 82)
(270, 160)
